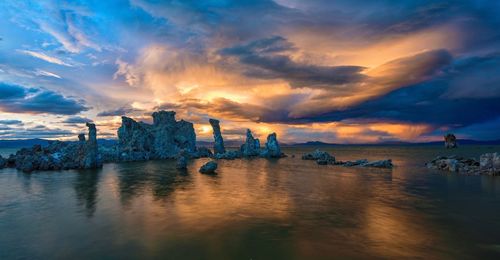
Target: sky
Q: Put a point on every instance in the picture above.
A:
(346, 71)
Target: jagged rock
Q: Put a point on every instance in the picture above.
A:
(91, 156)
(228, 155)
(489, 163)
(219, 141)
(379, 164)
(272, 149)
(59, 155)
(134, 140)
(209, 167)
(450, 141)
(3, 162)
(321, 157)
(455, 164)
(251, 147)
(164, 139)
(365, 163)
(81, 137)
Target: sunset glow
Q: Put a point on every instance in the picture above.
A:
(332, 71)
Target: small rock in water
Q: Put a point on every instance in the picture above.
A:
(228, 155)
(321, 157)
(461, 165)
(209, 167)
(387, 164)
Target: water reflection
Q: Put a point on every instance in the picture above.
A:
(86, 190)
(258, 208)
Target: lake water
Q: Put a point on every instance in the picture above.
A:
(254, 209)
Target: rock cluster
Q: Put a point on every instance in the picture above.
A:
(321, 157)
(163, 139)
(488, 164)
(324, 158)
(450, 141)
(387, 164)
(59, 155)
(209, 167)
(250, 148)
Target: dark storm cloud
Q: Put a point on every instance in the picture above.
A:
(18, 99)
(267, 59)
(122, 111)
(11, 122)
(437, 101)
(77, 120)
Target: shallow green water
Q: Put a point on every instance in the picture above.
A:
(254, 209)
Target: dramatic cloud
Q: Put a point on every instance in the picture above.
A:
(118, 112)
(266, 60)
(17, 99)
(11, 122)
(336, 71)
(76, 120)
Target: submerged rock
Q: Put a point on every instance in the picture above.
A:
(321, 157)
(251, 147)
(272, 149)
(228, 155)
(219, 141)
(450, 141)
(387, 164)
(163, 139)
(455, 164)
(209, 167)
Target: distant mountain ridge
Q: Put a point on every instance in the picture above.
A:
(20, 143)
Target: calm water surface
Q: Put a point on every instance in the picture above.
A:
(254, 209)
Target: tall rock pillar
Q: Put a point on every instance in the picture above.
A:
(219, 142)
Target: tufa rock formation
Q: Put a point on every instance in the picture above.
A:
(272, 149)
(163, 139)
(251, 147)
(219, 142)
(488, 164)
(59, 155)
(450, 141)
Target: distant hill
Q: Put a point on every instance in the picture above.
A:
(22, 143)
(460, 142)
